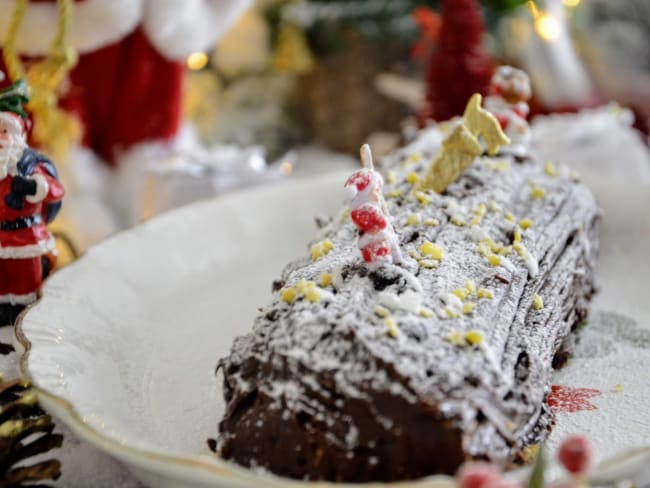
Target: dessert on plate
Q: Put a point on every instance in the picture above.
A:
(422, 327)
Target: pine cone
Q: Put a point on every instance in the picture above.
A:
(25, 431)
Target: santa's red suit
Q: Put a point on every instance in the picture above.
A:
(127, 86)
(24, 239)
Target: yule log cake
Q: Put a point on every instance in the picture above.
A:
(371, 365)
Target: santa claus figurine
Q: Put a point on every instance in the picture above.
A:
(30, 198)
(377, 239)
(508, 102)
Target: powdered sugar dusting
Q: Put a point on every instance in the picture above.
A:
(341, 347)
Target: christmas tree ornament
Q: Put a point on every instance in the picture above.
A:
(377, 239)
(30, 198)
(459, 67)
(508, 101)
(25, 431)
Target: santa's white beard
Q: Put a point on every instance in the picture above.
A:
(9, 157)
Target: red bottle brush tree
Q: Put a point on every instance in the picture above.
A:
(460, 66)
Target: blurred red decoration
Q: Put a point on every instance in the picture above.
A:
(429, 23)
(460, 67)
(576, 454)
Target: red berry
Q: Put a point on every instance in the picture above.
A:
(576, 454)
(478, 475)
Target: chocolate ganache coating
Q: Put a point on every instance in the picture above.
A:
(322, 389)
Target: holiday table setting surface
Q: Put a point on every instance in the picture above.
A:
(128, 363)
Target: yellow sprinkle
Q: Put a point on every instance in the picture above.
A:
(494, 260)
(494, 206)
(395, 194)
(289, 295)
(525, 223)
(484, 293)
(517, 237)
(501, 165)
(426, 313)
(346, 214)
(488, 241)
(393, 331)
(504, 250)
(470, 286)
(391, 177)
(451, 313)
(312, 294)
(414, 158)
(549, 168)
(301, 286)
(480, 210)
(461, 293)
(325, 279)
(321, 249)
(618, 388)
(413, 219)
(474, 337)
(381, 311)
(414, 254)
(538, 192)
(428, 263)
(412, 178)
(432, 250)
(431, 222)
(538, 303)
(456, 338)
(458, 221)
(509, 217)
(519, 247)
(484, 249)
(476, 220)
(468, 307)
(423, 198)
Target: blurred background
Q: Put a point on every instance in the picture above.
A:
(156, 104)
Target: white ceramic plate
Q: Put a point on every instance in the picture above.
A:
(124, 342)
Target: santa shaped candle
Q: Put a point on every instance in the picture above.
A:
(508, 101)
(377, 239)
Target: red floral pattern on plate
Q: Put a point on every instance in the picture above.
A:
(570, 400)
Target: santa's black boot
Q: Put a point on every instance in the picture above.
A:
(9, 313)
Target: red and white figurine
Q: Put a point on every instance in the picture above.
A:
(30, 198)
(377, 239)
(508, 101)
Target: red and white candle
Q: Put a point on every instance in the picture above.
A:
(377, 239)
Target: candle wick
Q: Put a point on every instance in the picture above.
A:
(366, 157)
